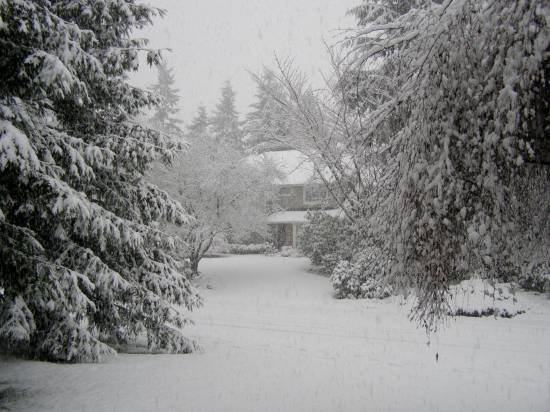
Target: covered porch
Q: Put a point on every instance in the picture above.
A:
(286, 226)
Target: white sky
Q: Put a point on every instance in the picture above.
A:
(217, 40)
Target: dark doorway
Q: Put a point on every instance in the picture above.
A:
(284, 235)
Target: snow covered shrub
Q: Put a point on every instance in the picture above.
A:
(83, 263)
(289, 251)
(325, 240)
(476, 297)
(364, 277)
(345, 279)
(219, 245)
(536, 277)
(330, 260)
(259, 248)
(532, 239)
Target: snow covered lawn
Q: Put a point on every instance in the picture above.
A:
(275, 340)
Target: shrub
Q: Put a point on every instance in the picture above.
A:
(219, 245)
(364, 277)
(536, 277)
(326, 240)
(289, 251)
(258, 248)
(476, 297)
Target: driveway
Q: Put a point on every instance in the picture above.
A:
(275, 339)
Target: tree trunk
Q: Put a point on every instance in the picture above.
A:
(195, 259)
(197, 254)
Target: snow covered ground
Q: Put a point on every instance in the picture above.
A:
(275, 340)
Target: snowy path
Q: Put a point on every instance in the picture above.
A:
(275, 340)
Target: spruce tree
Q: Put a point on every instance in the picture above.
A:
(266, 125)
(83, 265)
(199, 125)
(226, 127)
(164, 118)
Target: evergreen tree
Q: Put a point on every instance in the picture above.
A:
(466, 125)
(199, 125)
(83, 264)
(265, 127)
(439, 151)
(226, 128)
(164, 117)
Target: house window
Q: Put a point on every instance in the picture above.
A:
(315, 194)
(284, 191)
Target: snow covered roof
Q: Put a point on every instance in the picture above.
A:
(294, 167)
(293, 216)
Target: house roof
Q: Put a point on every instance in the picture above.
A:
(293, 216)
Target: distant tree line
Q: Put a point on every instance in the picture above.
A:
(222, 190)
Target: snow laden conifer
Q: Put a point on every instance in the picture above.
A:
(466, 112)
(83, 265)
(198, 128)
(224, 124)
(266, 128)
(164, 114)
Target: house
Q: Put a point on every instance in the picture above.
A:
(299, 190)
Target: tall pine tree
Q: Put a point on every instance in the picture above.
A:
(226, 127)
(266, 124)
(164, 117)
(83, 265)
(199, 125)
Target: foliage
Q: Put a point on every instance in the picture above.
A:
(475, 298)
(326, 240)
(364, 276)
(536, 276)
(220, 189)
(199, 125)
(224, 123)
(531, 243)
(82, 261)
(433, 128)
(255, 248)
(377, 12)
(164, 118)
(289, 251)
(467, 122)
(265, 127)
